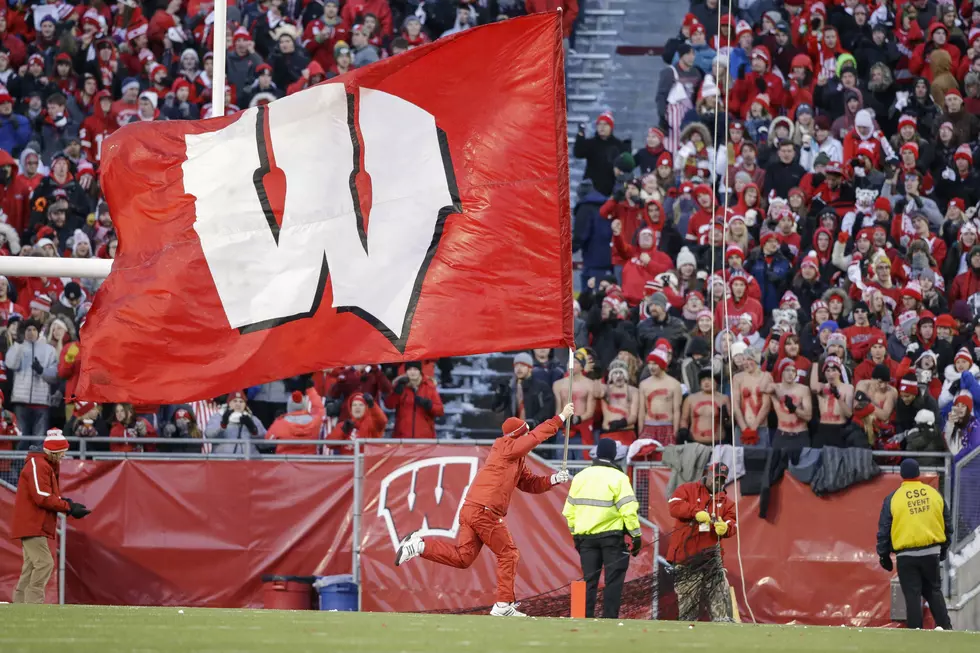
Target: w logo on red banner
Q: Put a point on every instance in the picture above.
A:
(354, 186)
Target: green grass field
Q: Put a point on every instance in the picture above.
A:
(82, 629)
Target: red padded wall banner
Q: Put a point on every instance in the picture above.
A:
(812, 560)
(198, 533)
(408, 486)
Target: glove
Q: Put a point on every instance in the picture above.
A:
(562, 476)
(911, 349)
(788, 402)
(169, 431)
(400, 385)
(635, 546)
(332, 408)
(901, 100)
(760, 84)
(750, 436)
(140, 428)
(842, 237)
(702, 517)
(37, 367)
(576, 420)
(249, 423)
(618, 425)
(347, 427)
(683, 435)
(224, 418)
(943, 552)
(948, 174)
(834, 391)
(77, 510)
(423, 403)
(369, 399)
(886, 563)
(72, 353)
(721, 528)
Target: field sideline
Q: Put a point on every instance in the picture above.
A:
(97, 629)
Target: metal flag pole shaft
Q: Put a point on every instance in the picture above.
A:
(220, 54)
(568, 422)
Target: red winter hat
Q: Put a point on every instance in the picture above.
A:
(811, 260)
(241, 34)
(357, 396)
(963, 353)
(781, 367)
(911, 147)
(912, 291)
(761, 52)
(907, 121)
(833, 168)
(908, 386)
(963, 152)
(766, 238)
(954, 91)
(663, 343)
(964, 399)
(959, 203)
(607, 118)
(55, 442)
(82, 407)
(514, 427)
(947, 321)
(659, 357)
(666, 159)
(41, 302)
(817, 305)
(180, 83)
(883, 204)
(927, 316)
(734, 250)
(237, 394)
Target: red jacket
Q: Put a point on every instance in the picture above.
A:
(686, 540)
(38, 499)
(629, 216)
(322, 52)
(411, 420)
(569, 11)
(863, 371)
(130, 436)
(371, 426)
(299, 425)
(745, 91)
(506, 470)
(347, 381)
(635, 274)
(964, 285)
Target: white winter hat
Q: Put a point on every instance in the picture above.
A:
(863, 119)
(925, 417)
(685, 257)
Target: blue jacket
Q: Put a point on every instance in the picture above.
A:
(704, 57)
(773, 279)
(738, 63)
(15, 132)
(592, 233)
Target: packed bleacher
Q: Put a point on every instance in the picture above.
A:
(798, 233)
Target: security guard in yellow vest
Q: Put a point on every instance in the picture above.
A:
(601, 508)
(914, 523)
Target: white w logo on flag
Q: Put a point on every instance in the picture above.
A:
(316, 183)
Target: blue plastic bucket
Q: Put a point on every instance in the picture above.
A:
(337, 593)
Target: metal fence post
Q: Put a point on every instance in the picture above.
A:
(356, 521)
(62, 545)
(655, 607)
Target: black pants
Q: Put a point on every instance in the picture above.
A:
(607, 552)
(920, 578)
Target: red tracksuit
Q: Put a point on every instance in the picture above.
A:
(686, 540)
(481, 520)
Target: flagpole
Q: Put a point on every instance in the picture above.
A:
(568, 422)
(220, 54)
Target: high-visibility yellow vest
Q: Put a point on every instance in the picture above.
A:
(917, 517)
(601, 501)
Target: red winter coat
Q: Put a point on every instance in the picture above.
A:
(347, 381)
(130, 438)
(370, 427)
(322, 52)
(569, 11)
(964, 285)
(411, 420)
(16, 198)
(299, 425)
(38, 499)
(745, 91)
(506, 470)
(630, 216)
(747, 305)
(635, 274)
(686, 540)
(863, 371)
(95, 128)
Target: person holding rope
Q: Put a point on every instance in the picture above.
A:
(704, 515)
(600, 510)
(481, 519)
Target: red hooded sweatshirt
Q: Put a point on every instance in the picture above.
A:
(96, 128)
(635, 273)
(299, 425)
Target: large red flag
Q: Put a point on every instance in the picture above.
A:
(416, 208)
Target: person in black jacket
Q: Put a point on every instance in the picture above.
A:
(784, 173)
(592, 233)
(600, 152)
(525, 396)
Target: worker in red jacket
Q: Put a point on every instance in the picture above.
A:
(481, 519)
(303, 421)
(705, 515)
(416, 402)
(365, 421)
(36, 509)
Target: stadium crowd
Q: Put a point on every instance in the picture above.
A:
(799, 233)
(73, 73)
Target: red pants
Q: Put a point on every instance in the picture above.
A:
(478, 526)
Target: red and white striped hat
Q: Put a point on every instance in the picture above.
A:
(55, 442)
(963, 353)
(514, 427)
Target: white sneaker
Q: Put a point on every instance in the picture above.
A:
(411, 547)
(506, 610)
